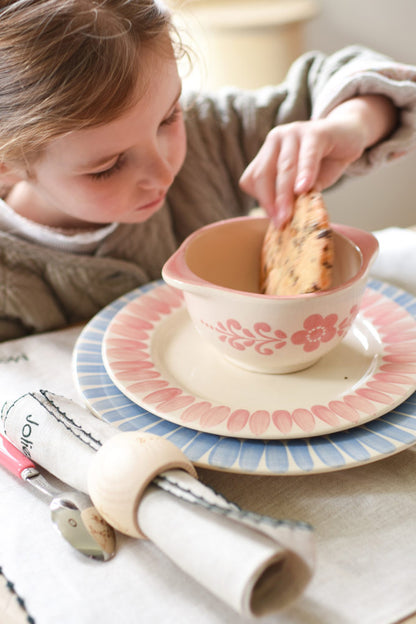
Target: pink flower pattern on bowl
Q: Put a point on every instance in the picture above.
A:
(264, 339)
(241, 338)
(128, 359)
(316, 329)
(347, 322)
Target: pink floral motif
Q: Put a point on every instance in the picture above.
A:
(241, 338)
(128, 351)
(344, 326)
(317, 329)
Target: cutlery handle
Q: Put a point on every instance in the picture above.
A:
(43, 422)
(11, 458)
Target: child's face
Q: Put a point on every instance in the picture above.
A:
(122, 170)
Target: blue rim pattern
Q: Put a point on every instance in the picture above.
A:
(384, 436)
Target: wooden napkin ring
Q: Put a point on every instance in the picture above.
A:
(122, 469)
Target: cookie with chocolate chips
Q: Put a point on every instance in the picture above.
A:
(298, 258)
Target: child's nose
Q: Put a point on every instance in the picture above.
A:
(159, 171)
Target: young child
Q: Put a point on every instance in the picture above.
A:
(105, 167)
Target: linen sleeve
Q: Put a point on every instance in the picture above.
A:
(227, 128)
(356, 71)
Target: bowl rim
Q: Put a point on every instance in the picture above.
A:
(176, 265)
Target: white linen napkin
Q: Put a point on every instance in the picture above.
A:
(256, 564)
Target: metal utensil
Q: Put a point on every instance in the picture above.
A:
(72, 512)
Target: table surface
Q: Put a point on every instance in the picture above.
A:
(12, 612)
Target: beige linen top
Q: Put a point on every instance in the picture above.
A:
(42, 288)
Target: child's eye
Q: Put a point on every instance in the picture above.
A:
(174, 116)
(106, 173)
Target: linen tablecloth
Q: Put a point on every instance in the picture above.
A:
(364, 517)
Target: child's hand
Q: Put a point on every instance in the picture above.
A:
(298, 157)
(294, 159)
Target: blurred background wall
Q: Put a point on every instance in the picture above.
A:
(387, 196)
(251, 42)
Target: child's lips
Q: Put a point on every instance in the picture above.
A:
(153, 203)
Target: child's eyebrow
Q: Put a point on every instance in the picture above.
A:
(100, 162)
(106, 159)
(176, 99)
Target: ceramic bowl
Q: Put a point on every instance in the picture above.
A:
(217, 268)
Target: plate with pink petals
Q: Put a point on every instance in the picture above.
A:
(154, 356)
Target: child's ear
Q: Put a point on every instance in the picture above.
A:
(9, 176)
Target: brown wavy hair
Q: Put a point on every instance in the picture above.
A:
(69, 64)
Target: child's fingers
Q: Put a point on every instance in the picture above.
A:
(258, 181)
(259, 177)
(287, 167)
(330, 171)
(309, 163)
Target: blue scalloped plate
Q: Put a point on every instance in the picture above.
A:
(380, 438)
